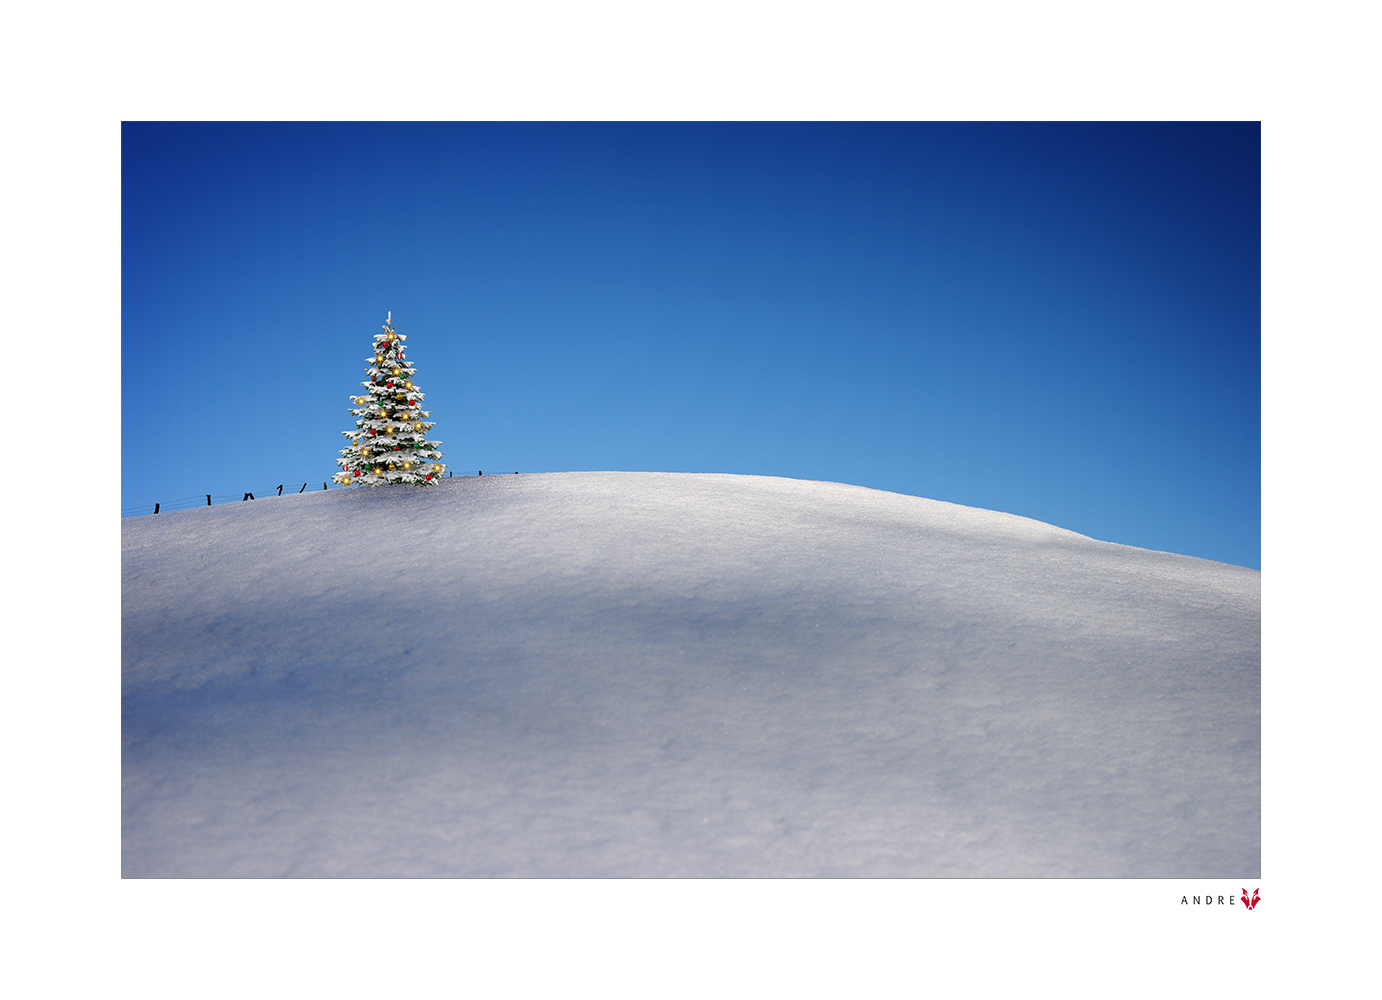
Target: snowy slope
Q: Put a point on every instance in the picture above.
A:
(660, 674)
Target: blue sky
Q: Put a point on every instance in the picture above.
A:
(1058, 321)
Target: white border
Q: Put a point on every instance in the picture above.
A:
(74, 73)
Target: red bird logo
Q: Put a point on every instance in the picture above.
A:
(1250, 903)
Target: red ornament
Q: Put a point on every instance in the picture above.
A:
(357, 472)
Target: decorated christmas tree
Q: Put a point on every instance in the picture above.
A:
(388, 444)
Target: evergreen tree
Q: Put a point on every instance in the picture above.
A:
(387, 445)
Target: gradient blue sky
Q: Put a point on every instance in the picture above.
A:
(1058, 321)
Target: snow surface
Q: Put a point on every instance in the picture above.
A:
(648, 674)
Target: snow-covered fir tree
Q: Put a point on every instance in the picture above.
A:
(388, 444)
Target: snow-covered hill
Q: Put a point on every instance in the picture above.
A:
(646, 674)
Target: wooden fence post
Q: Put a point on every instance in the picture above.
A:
(208, 499)
(155, 508)
(280, 489)
(304, 488)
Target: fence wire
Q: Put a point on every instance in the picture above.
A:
(212, 499)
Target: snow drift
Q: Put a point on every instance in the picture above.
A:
(645, 674)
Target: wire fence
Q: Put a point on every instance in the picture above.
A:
(212, 499)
